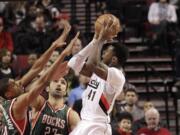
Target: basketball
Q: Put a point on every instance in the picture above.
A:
(103, 19)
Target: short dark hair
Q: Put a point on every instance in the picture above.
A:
(4, 84)
(129, 88)
(124, 115)
(121, 52)
(159, 0)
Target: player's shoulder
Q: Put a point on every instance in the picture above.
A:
(116, 73)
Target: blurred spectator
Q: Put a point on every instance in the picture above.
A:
(2, 6)
(162, 17)
(31, 60)
(6, 71)
(152, 118)
(34, 39)
(162, 11)
(5, 37)
(76, 48)
(141, 122)
(76, 93)
(54, 56)
(20, 11)
(124, 121)
(130, 105)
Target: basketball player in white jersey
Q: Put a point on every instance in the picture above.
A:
(104, 86)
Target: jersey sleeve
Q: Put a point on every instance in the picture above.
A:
(115, 80)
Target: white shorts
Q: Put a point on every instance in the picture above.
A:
(92, 128)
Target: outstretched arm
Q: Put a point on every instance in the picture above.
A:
(73, 119)
(23, 101)
(92, 52)
(40, 63)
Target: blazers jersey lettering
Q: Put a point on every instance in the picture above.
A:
(51, 122)
(98, 98)
(10, 126)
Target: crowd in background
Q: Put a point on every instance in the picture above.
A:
(29, 27)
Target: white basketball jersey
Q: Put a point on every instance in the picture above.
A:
(99, 96)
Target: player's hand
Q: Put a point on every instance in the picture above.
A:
(66, 26)
(103, 36)
(58, 43)
(68, 49)
(61, 71)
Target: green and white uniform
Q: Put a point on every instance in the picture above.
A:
(9, 124)
(51, 122)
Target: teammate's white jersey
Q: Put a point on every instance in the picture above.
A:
(99, 96)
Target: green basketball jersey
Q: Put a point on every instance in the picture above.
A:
(51, 122)
(9, 125)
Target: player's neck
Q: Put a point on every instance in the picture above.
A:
(56, 103)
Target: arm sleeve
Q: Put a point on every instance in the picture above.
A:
(115, 80)
(77, 61)
(172, 14)
(152, 14)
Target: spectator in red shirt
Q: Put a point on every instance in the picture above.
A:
(5, 38)
(124, 124)
(152, 118)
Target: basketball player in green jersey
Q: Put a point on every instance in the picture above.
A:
(53, 117)
(15, 111)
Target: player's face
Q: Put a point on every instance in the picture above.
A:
(58, 88)
(125, 125)
(152, 120)
(107, 55)
(14, 89)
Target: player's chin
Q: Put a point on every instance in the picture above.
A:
(60, 92)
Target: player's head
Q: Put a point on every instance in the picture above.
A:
(115, 55)
(58, 88)
(9, 88)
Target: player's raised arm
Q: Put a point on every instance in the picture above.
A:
(91, 52)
